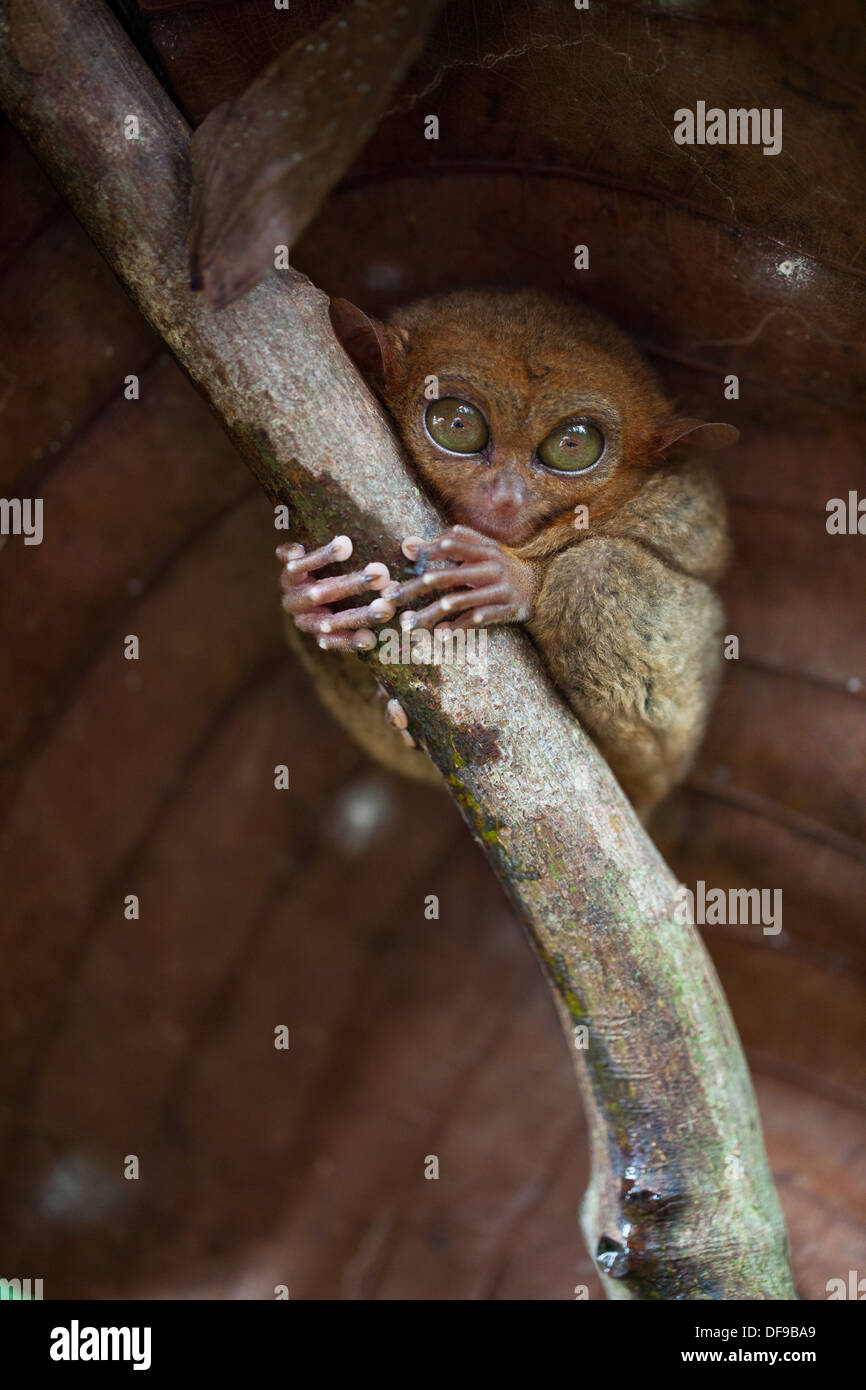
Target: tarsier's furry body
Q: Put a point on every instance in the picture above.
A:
(546, 409)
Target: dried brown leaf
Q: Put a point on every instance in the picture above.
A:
(264, 163)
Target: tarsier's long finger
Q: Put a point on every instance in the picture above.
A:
(340, 586)
(296, 599)
(476, 600)
(487, 616)
(323, 620)
(301, 598)
(459, 543)
(364, 640)
(474, 576)
(297, 561)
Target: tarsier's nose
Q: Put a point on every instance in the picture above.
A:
(507, 494)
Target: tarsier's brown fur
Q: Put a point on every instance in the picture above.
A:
(624, 612)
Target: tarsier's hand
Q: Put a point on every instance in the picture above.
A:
(498, 588)
(309, 601)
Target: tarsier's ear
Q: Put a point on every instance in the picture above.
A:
(680, 435)
(366, 340)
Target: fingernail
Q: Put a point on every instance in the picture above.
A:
(381, 608)
(289, 552)
(364, 640)
(407, 620)
(341, 547)
(411, 547)
(377, 575)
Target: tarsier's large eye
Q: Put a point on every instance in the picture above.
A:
(572, 447)
(457, 426)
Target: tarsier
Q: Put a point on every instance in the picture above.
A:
(579, 507)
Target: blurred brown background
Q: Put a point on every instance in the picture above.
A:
(412, 1037)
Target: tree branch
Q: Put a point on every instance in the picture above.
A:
(681, 1202)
